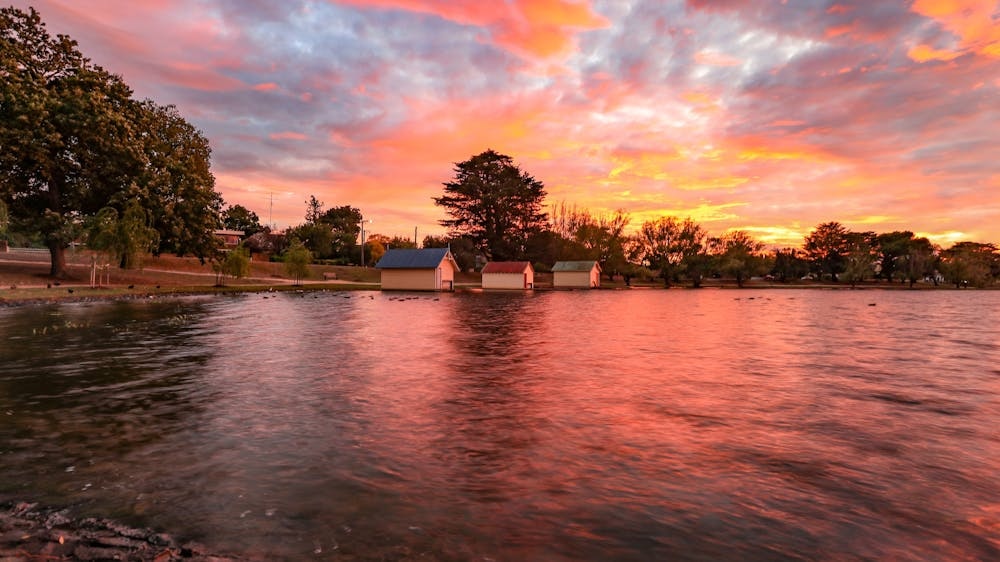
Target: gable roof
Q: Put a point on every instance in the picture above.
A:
(575, 266)
(409, 258)
(507, 267)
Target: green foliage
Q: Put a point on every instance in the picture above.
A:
(345, 224)
(4, 221)
(75, 141)
(238, 217)
(297, 260)
(175, 182)
(332, 233)
(235, 264)
(462, 248)
(495, 204)
(126, 239)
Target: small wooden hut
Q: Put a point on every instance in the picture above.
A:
(576, 275)
(508, 275)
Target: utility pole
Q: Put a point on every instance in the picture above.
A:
(363, 221)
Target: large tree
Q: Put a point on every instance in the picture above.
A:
(672, 247)
(827, 247)
(586, 236)
(345, 224)
(971, 263)
(495, 203)
(175, 183)
(739, 254)
(890, 248)
(238, 217)
(859, 261)
(75, 141)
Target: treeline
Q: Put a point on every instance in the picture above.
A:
(497, 214)
(496, 211)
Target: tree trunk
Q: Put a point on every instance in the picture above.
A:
(57, 255)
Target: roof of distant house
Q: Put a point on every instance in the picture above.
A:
(408, 258)
(575, 266)
(507, 267)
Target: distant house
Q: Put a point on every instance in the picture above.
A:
(508, 275)
(576, 274)
(230, 239)
(427, 269)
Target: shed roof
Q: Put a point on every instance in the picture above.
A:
(409, 258)
(507, 267)
(575, 266)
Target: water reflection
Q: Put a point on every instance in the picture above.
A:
(687, 425)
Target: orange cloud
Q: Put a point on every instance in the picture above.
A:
(970, 20)
(539, 28)
(266, 87)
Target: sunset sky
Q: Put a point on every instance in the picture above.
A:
(770, 116)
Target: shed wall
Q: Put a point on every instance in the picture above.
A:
(507, 280)
(409, 279)
(584, 279)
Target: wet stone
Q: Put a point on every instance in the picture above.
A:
(30, 533)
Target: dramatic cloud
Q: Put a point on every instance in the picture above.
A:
(762, 115)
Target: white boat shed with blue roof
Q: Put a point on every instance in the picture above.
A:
(427, 269)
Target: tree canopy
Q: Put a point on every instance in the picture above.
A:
(75, 141)
(238, 217)
(495, 204)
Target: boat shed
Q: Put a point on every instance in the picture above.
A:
(576, 275)
(427, 269)
(509, 275)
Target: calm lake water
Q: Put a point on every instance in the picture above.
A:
(603, 425)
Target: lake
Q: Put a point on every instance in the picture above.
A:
(585, 425)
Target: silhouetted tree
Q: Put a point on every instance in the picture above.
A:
(738, 254)
(789, 263)
(970, 263)
(494, 203)
(671, 248)
(860, 257)
(826, 247)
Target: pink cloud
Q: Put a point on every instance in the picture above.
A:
(539, 28)
(288, 135)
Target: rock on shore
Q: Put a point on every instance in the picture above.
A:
(29, 533)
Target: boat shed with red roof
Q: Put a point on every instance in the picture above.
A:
(517, 275)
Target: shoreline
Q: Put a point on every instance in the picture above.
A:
(30, 532)
(83, 293)
(24, 282)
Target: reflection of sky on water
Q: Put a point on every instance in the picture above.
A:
(557, 425)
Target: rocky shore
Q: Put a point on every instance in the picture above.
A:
(29, 533)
